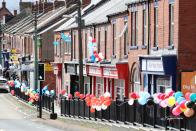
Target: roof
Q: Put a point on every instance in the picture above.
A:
(42, 22)
(100, 14)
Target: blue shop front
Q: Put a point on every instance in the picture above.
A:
(158, 73)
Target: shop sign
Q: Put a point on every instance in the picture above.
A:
(84, 70)
(48, 67)
(152, 65)
(93, 70)
(110, 72)
(188, 82)
(27, 67)
(71, 69)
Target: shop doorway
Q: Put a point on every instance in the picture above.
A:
(74, 84)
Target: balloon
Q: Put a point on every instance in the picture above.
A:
(12, 92)
(104, 107)
(98, 108)
(131, 101)
(187, 96)
(92, 110)
(88, 103)
(81, 96)
(93, 40)
(92, 58)
(102, 98)
(169, 92)
(91, 96)
(176, 111)
(87, 95)
(52, 92)
(70, 96)
(180, 99)
(142, 101)
(183, 106)
(77, 94)
(171, 101)
(178, 94)
(134, 95)
(30, 103)
(63, 92)
(107, 94)
(193, 97)
(189, 112)
(107, 102)
(163, 103)
(47, 92)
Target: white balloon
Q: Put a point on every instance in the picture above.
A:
(107, 94)
(98, 108)
(131, 101)
(47, 92)
(104, 107)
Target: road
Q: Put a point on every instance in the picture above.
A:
(14, 118)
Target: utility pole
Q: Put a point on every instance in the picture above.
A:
(81, 78)
(36, 65)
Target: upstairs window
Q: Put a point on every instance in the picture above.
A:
(126, 41)
(156, 26)
(134, 28)
(114, 38)
(144, 27)
(171, 24)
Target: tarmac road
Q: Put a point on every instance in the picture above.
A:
(13, 118)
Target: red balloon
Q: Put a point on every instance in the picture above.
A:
(133, 95)
(187, 96)
(88, 103)
(87, 99)
(70, 96)
(107, 102)
(182, 105)
(81, 96)
(92, 110)
(12, 92)
(162, 96)
(91, 96)
(94, 41)
(63, 92)
(101, 98)
(87, 95)
(77, 94)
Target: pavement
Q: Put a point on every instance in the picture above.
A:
(16, 115)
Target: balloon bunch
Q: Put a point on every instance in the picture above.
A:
(177, 101)
(100, 103)
(33, 96)
(94, 55)
(11, 83)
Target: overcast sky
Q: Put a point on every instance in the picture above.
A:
(14, 4)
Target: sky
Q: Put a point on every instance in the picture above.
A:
(14, 4)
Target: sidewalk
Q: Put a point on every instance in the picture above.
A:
(78, 124)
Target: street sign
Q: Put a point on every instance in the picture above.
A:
(41, 72)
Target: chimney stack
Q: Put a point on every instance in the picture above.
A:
(15, 12)
(4, 4)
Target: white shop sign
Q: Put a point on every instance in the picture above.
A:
(154, 65)
(95, 70)
(110, 72)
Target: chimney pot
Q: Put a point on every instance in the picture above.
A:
(4, 4)
(15, 12)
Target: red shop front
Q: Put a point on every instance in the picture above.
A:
(107, 78)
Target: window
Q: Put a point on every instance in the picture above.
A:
(74, 45)
(87, 85)
(126, 41)
(99, 86)
(163, 83)
(134, 28)
(114, 39)
(120, 89)
(99, 40)
(156, 27)
(144, 27)
(86, 43)
(136, 81)
(105, 43)
(171, 24)
(67, 46)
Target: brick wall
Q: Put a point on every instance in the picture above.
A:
(187, 35)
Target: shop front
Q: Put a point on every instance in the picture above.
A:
(188, 81)
(159, 73)
(71, 71)
(107, 78)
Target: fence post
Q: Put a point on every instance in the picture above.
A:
(69, 107)
(125, 110)
(143, 116)
(116, 111)
(53, 115)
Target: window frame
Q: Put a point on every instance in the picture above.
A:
(156, 26)
(171, 24)
(113, 38)
(126, 39)
(144, 30)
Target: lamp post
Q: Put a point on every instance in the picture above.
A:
(36, 65)
(81, 78)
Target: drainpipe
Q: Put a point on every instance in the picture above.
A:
(149, 25)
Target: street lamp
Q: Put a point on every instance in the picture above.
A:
(81, 78)
(36, 65)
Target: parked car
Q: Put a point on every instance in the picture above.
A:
(3, 85)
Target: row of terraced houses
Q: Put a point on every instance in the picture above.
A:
(146, 45)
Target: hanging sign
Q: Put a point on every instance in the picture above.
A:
(188, 82)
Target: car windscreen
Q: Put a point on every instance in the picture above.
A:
(3, 81)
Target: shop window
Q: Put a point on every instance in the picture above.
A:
(87, 85)
(136, 81)
(145, 81)
(105, 44)
(163, 83)
(99, 40)
(86, 43)
(74, 45)
(119, 85)
(99, 86)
